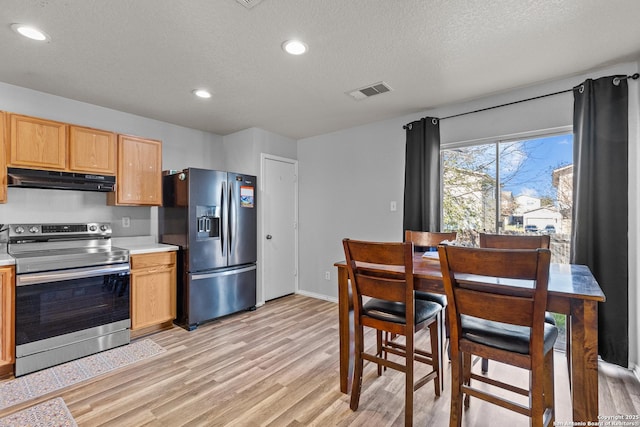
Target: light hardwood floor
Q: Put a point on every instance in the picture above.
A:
(278, 366)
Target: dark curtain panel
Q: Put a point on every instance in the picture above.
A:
(422, 176)
(600, 204)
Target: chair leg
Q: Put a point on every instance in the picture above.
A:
(567, 325)
(436, 359)
(485, 365)
(409, 363)
(549, 387)
(457, 378)
(380, 352)
(356, 386)
(539, 383)
(466, 374)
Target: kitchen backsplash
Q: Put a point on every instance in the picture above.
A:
(32, 205)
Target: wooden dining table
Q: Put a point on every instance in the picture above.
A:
(572, 291)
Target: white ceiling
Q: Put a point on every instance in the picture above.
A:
(146, 56)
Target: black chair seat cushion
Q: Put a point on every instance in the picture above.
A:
(548, 317)
(504, 336)
(428, 296)
(394, 311)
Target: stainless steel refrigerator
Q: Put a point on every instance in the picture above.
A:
(211, 215)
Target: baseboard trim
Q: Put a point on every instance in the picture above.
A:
(317, 296)
(636, 371)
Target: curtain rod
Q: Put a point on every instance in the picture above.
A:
(507, 104)
(634, 77)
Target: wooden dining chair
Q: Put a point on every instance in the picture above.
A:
(423, 240)
(519, 241)
(497, 300)
(427, 240)
(383, 272)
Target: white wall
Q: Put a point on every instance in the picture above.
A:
(348, 178)
(181, 147)
(347, 181)
(242, 154)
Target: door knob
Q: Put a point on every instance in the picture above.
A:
(269, 236)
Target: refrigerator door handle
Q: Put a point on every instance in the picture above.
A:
(222, 273)
(225, 219)
(231, 216)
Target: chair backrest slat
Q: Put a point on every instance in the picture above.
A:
(500, 263)
(514, 241)
(382, 288)
(496, 307)
(428, 238)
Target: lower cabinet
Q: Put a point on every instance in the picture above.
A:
(153, 289)
(7, 316)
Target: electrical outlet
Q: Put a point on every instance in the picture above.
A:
(327, 275)
(126, 222)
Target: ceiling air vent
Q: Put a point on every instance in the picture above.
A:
(367, 91)
(249, 3)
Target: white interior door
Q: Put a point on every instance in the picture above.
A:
(280, 226)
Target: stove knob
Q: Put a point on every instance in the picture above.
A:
(33, 229)
(93, 227)
(19, 229)
(104, 227)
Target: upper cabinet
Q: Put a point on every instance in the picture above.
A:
(139, 177)
(92, 150)
(3, 165)
(37, 143)
(44, 144)
(34, 143)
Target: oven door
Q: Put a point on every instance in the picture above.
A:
(61, 303)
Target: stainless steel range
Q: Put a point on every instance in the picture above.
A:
(72, 293)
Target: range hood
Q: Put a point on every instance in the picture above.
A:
(33, 178)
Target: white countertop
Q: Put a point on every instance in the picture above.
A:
(6, 259)
(135, 245)
(141, 245)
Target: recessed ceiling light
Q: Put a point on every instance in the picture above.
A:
(202, 93)
(294, 47)
(30, 32)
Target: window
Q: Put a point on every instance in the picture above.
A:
(512, 187)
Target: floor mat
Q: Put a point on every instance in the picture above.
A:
(39, 383)
(51, 413)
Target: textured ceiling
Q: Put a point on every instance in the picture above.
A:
(146, 56)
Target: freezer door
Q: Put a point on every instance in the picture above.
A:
(206, 219)
(216, 294)
(242, 226)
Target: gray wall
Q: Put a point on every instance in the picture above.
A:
(348, 178)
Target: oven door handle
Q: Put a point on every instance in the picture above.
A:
(76, 273)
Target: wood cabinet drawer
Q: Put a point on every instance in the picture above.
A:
(154, 259)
